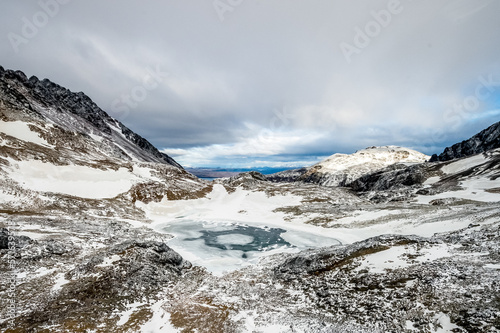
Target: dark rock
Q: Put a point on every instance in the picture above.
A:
(483, 141)
(4, 239)
(395, 176)
(9, 239)
(55, 247)
(288, 176)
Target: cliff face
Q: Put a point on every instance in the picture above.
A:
(483, 141)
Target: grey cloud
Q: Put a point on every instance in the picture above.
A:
(267, 55)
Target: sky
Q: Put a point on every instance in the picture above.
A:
(240, 83)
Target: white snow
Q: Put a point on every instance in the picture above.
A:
(492, 266)
(432, 180)
(95, 137)
(410, 326)
(445, 323)
(159, 322)
(393, 258)
(125, 315)
(144, 172)
(434, 253)
(384, 156)
(383, 260)
(109, 261)
(6, 197)
(59, 282)
(463, 164)
(42, 271)
(474, 189)
(32, 235)
(81, 181)
(21, 131)
(363, 215)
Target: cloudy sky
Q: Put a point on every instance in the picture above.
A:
(237, 83)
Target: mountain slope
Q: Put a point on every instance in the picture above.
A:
(341, 169)
(58, 149)
(39, 102)
(483, 141)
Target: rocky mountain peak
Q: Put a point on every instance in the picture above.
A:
(47, 102)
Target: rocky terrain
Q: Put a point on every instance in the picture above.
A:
(83, 201)
(483, 141)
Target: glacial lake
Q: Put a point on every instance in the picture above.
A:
(227, 246)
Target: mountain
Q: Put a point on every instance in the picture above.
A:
(469, 170)
(58, 146)
(483, 141)
(342, 169)
(97, 227)
(52, 110)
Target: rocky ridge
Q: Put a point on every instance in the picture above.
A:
(483, 141)
(44, 102)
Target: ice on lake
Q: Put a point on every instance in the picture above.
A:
(227, 246)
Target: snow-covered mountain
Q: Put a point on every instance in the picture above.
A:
(483, 141)
(58, 144)
(97, 227)
(342, 169)
(473, 177)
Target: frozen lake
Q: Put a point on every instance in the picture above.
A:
(227, 246)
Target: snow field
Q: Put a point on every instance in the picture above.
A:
(76, 180)
(20, 130)
(473, 189)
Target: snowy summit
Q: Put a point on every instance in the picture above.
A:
(341, 169)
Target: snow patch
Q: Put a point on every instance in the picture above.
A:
(125, 315)
(96, 137)
(109, 261)
(445, 323)
(432, 180)
(395, 257)
(21, 131)
(463, 164)
(159, 322)
(473, 189)
(81, 181)
(361, 216)
(381, 261)
(59, 282)
(6, 197)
